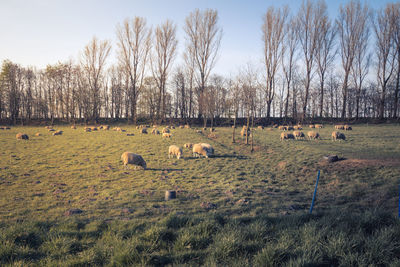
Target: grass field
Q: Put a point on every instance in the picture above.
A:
(235, 209)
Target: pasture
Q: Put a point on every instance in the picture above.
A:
(237, 208)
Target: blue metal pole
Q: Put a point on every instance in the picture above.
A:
(315, 193)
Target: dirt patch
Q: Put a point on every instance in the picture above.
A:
(282, 165)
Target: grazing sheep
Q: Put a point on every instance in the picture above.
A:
(338, 135)
(298, 135)
(188, 145)
(133, 159)
(281, 127)
(73, 127)
(339, 127)
(286, 136)
(106, 127)
(313, 135)
(21, 136)
(200, 150)
(166, 135)
(341, 136)
(311, 126)
(319, 126)
(165, 130)
(37, 134)
(209, 147)
(175, 151)
(57, 133)
(347, 128)
(143, 131)
(94, 128)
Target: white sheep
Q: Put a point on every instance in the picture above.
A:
(133, 159)
(175, 151)
(199, 150)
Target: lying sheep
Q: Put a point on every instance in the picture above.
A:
(133, 159)
(319, 126)
(166, 135)
(297, 127)
(37, 134)
(73, 127)
(175, 151)
(21, 136)
(188, 145)
(347, 128)
(298, 135)
(165, 130)
(106, 127)
(200, 150)
(337, 135)
(57, 133)
(143, 131)
(285, 136)
(313, 135)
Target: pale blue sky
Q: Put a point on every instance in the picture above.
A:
(41, 32)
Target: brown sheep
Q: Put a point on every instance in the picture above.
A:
(133, 159)
(298, 135)
(21, 136)
(174, 150)
(285, 136)
(347, 128)
(313, 135)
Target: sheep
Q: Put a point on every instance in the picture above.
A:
(181, 126)
(289, 128)
(130, 134)
(51, 130)
(200, 150)
(209, 147)
(313, 135)
(188, 145)
(298, 135)
(57, 133)
(286, 136)
(187, 126)
(339, 127)
(212, 130)
(118, 129)
(281, 127)
(21, 136)
(166, 135)
(175, 151)
(106, 127)
(165, 130)
(133, 159)
(73, 127)
(47, 127)
(143, 131)
(172, 127)
(297, 127)
(88, 130)
(199, 131)
(37, 134)
(260, 127)
(319, 126)
(337, 135)
(312, 126)
(347, 128)
(94, 128)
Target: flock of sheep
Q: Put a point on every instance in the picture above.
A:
(297, 134)
(200, 149)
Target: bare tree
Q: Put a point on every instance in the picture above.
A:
(164, 53)
(351, 23)
(273, 32)
(134, 42)
(93, 62)
(325, 55)
(203, 38)
(359, 68)
(309, 22)
(288, 61)
(396, 42)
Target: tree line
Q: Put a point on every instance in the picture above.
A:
(313, 67)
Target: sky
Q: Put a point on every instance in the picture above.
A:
(42, 32)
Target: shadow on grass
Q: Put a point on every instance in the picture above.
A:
(163, 169)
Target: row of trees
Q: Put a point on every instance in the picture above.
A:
(313, 67)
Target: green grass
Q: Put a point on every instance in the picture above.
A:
(237, 208)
